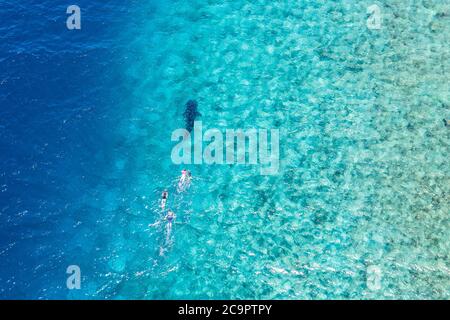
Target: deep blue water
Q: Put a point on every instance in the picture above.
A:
(85, 123)
(59, 98)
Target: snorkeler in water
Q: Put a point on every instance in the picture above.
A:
(185, 180)
(170, 218)
(164, 196)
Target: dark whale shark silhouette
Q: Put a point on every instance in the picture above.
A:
(190, 114)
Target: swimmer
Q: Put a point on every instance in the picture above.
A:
(447, 122)
(170, 218)
(164, 196)
(185, 180)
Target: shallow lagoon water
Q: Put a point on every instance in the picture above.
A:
(363, 182)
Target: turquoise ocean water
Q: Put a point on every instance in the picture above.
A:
(364, 173)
